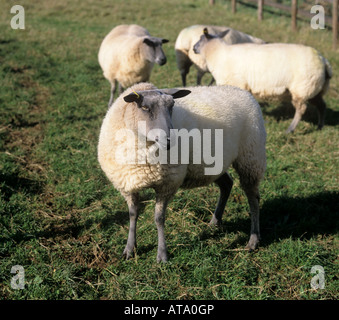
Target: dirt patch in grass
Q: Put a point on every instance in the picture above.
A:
(23, 131)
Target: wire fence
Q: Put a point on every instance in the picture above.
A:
(296, 11)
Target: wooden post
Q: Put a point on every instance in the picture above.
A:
(335, 24)
(212, 2)
(260, 9)
(294, 14)
(234, 6)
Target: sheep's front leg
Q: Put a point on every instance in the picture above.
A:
(133, 202)
(225, 184)
(183, 77)
(159, 217)
(211, 82)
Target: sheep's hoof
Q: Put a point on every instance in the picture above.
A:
(164, 260)
(162, 257)
(214, 223)
(253, 243)
(127, 254)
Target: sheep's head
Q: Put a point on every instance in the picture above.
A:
(153, 50)
(206, 37)
(152, 111)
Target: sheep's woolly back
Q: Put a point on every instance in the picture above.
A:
(191, 35)
(220, 107)
(121, 49)
(267, 71)
(238, 114)
(127, 29)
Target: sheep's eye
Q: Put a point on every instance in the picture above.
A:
(145, 108)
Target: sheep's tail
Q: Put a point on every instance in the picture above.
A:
(328, 69)
(328, 75)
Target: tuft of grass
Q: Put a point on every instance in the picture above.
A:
(67, 226)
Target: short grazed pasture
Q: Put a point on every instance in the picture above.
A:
(66, 225)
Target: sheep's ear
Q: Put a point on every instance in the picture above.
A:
(149, 42)
(164, 40)
(176, 93)
(223, 34)
(206, 34)
(133, 97)
(180, 93)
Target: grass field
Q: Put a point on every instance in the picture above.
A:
(66, 225)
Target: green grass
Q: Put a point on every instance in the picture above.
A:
(66, 225)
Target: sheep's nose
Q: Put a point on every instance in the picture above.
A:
(162, 61)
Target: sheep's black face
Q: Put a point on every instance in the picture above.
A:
(153, 113)
(154, 52)
(206, 37)
(197, 47)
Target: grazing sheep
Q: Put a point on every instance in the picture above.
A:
(272, 71)
(230, 113)
(127, 55)
(190, 35)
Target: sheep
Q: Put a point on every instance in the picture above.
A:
(189, 36)
(127, 56)
(279, 71)
(230, 113)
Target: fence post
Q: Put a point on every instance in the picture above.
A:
(335, 23)
(212, 2)
(260, 9)
(234, 6)
(294, 14)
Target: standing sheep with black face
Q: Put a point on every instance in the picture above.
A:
(127, 56)
(235, 135)
(279, 71)
(187, 38)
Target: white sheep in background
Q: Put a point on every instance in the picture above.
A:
(127, 55)
(231, 110)
(272, 71)
(189, 36)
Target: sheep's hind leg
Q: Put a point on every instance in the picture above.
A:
(225, 184)
(120, 89)
(200, 74)
(132, 201)
(320, 104)
(111, 99)
(300, 108)
(252, 193)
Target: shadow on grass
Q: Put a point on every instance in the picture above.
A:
(117, 217)
(285, 111)
(280, 218)
(300, 217)
(285, 217)
(13, 184)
